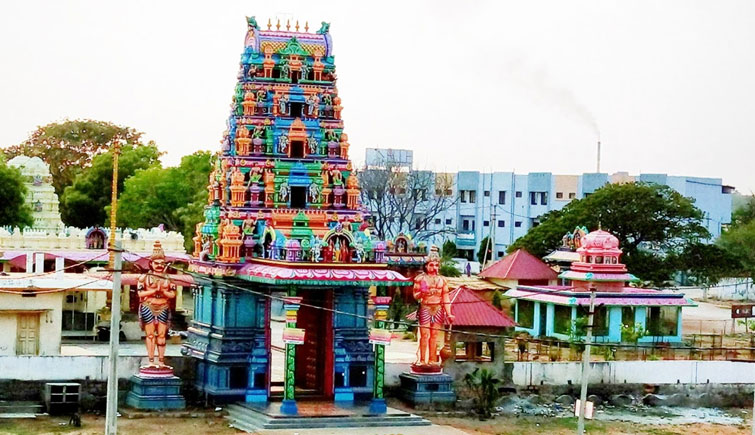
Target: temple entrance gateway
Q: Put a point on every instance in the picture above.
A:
(314, 359)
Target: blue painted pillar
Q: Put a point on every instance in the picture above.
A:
(614, 324)
(550, 316)
(536, 320)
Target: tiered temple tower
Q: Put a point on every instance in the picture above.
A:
(40, 194)
(284, 218)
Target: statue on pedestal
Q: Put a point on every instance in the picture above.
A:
(433, 314)
(155, 291)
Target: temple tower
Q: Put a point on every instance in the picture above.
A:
(285, 235)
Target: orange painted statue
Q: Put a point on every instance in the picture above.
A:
(155, 292)
(434, 312)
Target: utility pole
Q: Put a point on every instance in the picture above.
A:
(114, 204)
(111, 425)
(586, 365)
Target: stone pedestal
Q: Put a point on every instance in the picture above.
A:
(427, 390)
(155, 389)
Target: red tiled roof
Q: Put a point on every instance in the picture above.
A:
(469, 309)
(520, 265)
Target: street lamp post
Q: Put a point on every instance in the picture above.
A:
(586, 365)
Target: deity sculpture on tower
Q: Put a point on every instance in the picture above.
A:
(155, 291)
(433, 314)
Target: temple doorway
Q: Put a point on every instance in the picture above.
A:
(314, 358)
(298, 196)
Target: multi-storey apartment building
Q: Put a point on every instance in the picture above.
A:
(513, 203)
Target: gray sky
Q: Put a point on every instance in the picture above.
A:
(493, 85)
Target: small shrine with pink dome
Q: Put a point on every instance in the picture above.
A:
(551, 311)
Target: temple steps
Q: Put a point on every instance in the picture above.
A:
(16, 409)
(249, 419)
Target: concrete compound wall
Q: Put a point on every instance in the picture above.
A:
(73, 368)
(635, 372)
(94, 368)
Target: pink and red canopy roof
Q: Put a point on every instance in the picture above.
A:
(520, 265)
(469, 309)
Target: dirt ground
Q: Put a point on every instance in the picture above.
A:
(499, 426)
(558, 426)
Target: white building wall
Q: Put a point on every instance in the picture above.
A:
(50, 320)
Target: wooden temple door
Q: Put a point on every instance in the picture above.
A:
(314, 359)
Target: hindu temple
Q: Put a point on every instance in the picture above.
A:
(285, 248)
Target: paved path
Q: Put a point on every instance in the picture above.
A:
(396, 430)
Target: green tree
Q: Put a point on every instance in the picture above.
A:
(84, 203)
(745, 213)
(173, 196)
(69, 146)
(449, 249)
(652, 222)
(14, 211)
(739, 242)
(481, 257)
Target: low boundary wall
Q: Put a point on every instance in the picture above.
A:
(95, 368)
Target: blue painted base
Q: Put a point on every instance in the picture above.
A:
(155, 393)
(343, 394)
(378, 406)
(256, 396)
(427, 389)
(288, 407)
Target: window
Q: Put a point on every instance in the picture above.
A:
(486, 193)
(437, 221)
(448, 221)
(501, 224)
(559, 195)
(500, 254)
(600, 319)
(662, 321)
(298, 196)
(469, 196)
(538, 197)
(485, 223)
(518, 224)
(525, 313)
(572, 195)
(519, 194)
(502, 197)
(357, 376)
(474, 351)
(562, 319)
(627, 317)
(238, 377)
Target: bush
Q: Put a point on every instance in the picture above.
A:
(483, 385)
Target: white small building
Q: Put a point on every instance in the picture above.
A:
(31, 308)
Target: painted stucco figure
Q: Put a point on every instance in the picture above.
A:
(434, 313)
(155, 292)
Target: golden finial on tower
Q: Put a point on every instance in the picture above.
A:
(306, 26)
(288, 25)
(278, 24)
(269, 24)
(297, 25)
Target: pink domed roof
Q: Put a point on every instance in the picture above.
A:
(600, 239)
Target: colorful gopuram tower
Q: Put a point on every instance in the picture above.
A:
(285, 235)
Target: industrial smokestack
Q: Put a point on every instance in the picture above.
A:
(598, 156)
